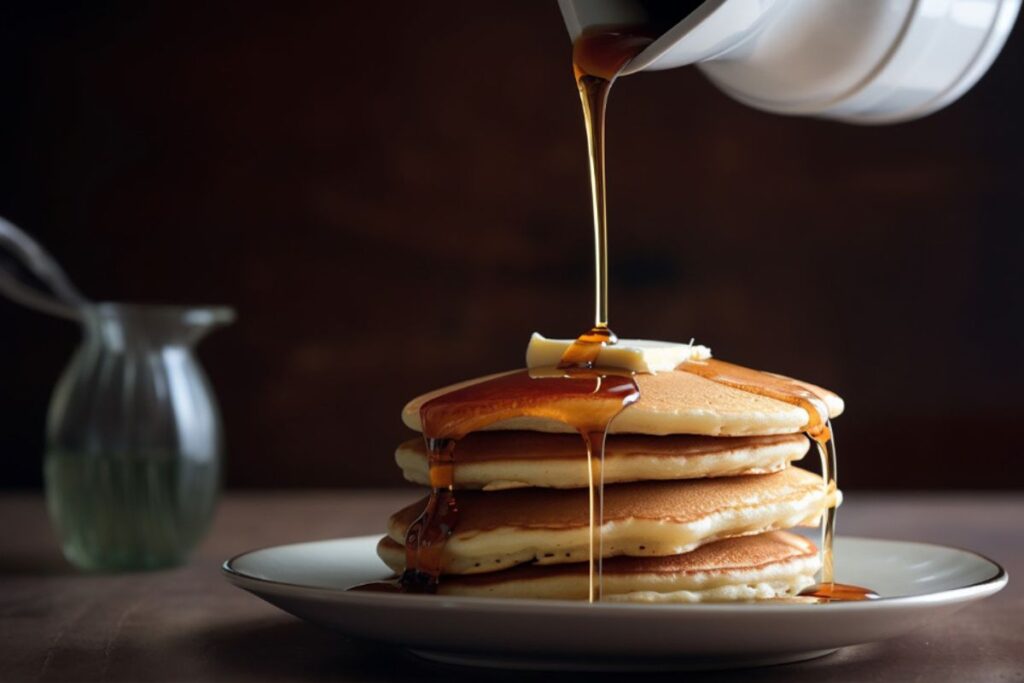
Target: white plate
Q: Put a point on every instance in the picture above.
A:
(917, 582)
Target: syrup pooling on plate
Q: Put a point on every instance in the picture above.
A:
(838, 592)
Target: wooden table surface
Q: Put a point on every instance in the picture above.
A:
(188, 624)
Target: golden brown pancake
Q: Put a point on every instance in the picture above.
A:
(674, 403)
(494, 461)
(769, 565)
(500, 529)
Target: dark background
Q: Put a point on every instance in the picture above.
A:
(394, 195)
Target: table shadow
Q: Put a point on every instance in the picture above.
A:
(287, 649)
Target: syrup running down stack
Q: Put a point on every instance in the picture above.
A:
(686, 500)
(603, 473)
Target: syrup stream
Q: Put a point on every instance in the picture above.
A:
(576, 393)
(598, 56)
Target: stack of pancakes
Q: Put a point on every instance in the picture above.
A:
(699, 491)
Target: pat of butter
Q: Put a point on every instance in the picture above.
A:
(637, 355)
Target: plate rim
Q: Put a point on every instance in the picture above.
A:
(977, 590)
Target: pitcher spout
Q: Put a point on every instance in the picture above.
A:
(119, 325)
(688, 33)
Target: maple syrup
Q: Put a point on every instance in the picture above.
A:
(838, 592)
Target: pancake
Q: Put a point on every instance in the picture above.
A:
(500, 529)
(776, 564)
(674, 403)
(494, 461)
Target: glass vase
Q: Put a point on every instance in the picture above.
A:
(134, 439)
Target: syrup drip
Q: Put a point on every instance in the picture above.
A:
(818, 429)
(585, 399)
(582, 354)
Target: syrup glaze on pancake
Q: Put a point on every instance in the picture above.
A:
(779, 387)
(679, 402)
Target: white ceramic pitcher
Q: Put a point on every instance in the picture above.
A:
(860, 61)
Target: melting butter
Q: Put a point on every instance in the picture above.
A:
(637, 355)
